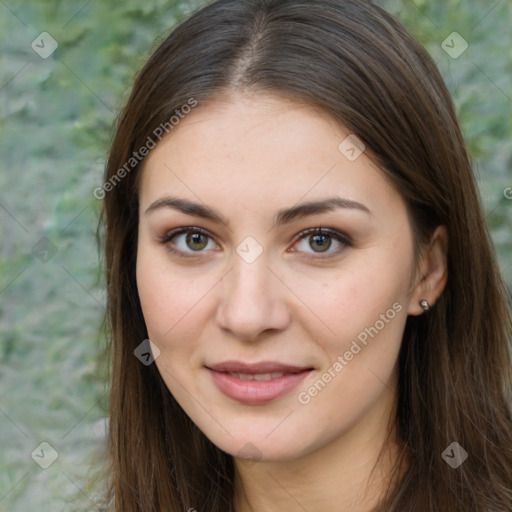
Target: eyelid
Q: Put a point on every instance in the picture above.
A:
(319, 230)
(186, 229)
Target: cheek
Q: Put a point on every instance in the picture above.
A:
(365, 287)
(170, 303)
(364, 307)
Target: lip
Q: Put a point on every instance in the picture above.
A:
(256, 391)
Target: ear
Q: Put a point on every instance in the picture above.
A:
(432, 272)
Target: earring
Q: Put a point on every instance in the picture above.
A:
(425, 305)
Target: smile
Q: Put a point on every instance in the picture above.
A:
(258, 383)
(257, 376)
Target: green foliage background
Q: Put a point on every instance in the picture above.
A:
(57, 115)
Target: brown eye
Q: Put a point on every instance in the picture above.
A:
(187, 241)
(321, 240)
(196, 241)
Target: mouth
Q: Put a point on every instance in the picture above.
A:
(256, 383)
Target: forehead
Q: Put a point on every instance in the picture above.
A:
(256, 150)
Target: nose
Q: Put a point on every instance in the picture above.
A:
(253, 301)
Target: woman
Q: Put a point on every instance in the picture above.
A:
(292, 220)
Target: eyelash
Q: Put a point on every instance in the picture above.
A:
(333, 233)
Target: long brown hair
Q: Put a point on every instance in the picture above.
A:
(362, 67)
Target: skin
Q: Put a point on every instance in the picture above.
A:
(246, 157)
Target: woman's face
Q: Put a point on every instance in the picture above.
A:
(275, 340)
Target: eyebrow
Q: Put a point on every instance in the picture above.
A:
(282, 217)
